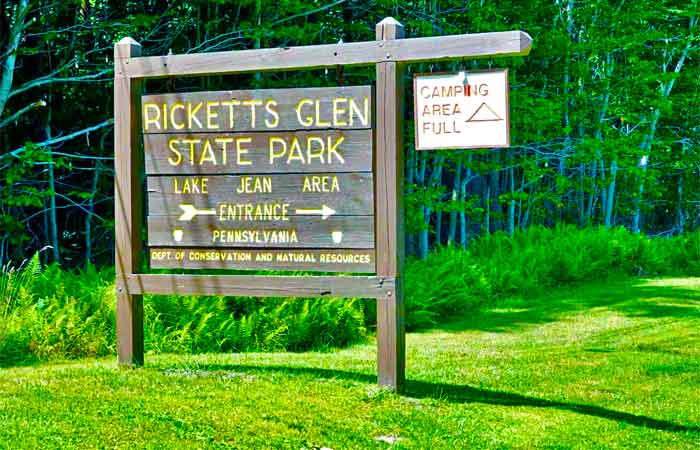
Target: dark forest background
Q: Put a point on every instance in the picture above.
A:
(605, 111)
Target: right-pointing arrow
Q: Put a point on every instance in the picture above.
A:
(189, 212)
(324, 211)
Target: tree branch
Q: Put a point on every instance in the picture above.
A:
(29, 107)
(16, 152)
(48, 79)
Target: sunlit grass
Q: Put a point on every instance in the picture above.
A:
(614, 365)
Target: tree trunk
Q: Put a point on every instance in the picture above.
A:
(487, 208)
(680, 213)
(90, 212)
(456, 185)
(438, 228)
(599, 156)
(568, 18)
(610, 201)
(7, 67)
(666, 89)
(463, 219)
(511, 204)
(423, 234)
(53, 222)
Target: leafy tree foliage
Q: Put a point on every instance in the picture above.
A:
(604, 110)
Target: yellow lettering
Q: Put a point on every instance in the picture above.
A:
(224, 148)
(306, 121)
(192, 115)
(339, 113)
(165, 116)
(190, 185)
(175, 107)
(355, 109)
(270, 106)
(335, 186)
(207, 154)
(319, 122)
(151, 120)
(253, 104)
(212, 115)
(231, 113)
(241, 151)
(309, 148)
(332, 150)
(178, 156)
(251, 185)
(191, 143)
(299, 156)
(277, 141)
(320, 183)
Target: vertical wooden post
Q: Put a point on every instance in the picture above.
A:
(128, 200)
(391, 343)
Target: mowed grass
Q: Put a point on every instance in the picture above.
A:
(613, 365)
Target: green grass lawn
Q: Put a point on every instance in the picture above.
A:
(614, 365)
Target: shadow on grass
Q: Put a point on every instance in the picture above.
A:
(466, 394)
(632, 300)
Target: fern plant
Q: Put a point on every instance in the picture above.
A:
(15, 282)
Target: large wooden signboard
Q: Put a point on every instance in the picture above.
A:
(264, 179)
(291, 179)
(462, 110)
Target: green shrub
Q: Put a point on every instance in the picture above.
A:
(216, 324)
(451, 281)
(53, 313)
(66, 314)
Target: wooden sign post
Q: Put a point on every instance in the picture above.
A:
(285, 179)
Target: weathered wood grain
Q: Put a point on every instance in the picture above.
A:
(391, 347)
(338, 107)
(436, 48)
(259, 285)
(347, 193)
(310, 232)
(128, 200)
(349, 151)
(343, 260)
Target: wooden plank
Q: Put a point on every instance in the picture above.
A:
(504, 43)
(128, 200)
(297, 232)
(267, 152)
(338, 107)
(391, 338)
(332, 260)
(391, 345)
(389, 159)
(345, 193)
(260, 285)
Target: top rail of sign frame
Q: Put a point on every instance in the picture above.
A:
(412, 50)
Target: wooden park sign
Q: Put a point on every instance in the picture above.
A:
(286, 179)
(267, 179)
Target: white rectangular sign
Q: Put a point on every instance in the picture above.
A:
(462, 110)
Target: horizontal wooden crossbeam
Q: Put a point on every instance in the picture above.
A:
(256, 285)
(479, 45)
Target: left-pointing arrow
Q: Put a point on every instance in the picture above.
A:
(189, 212)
